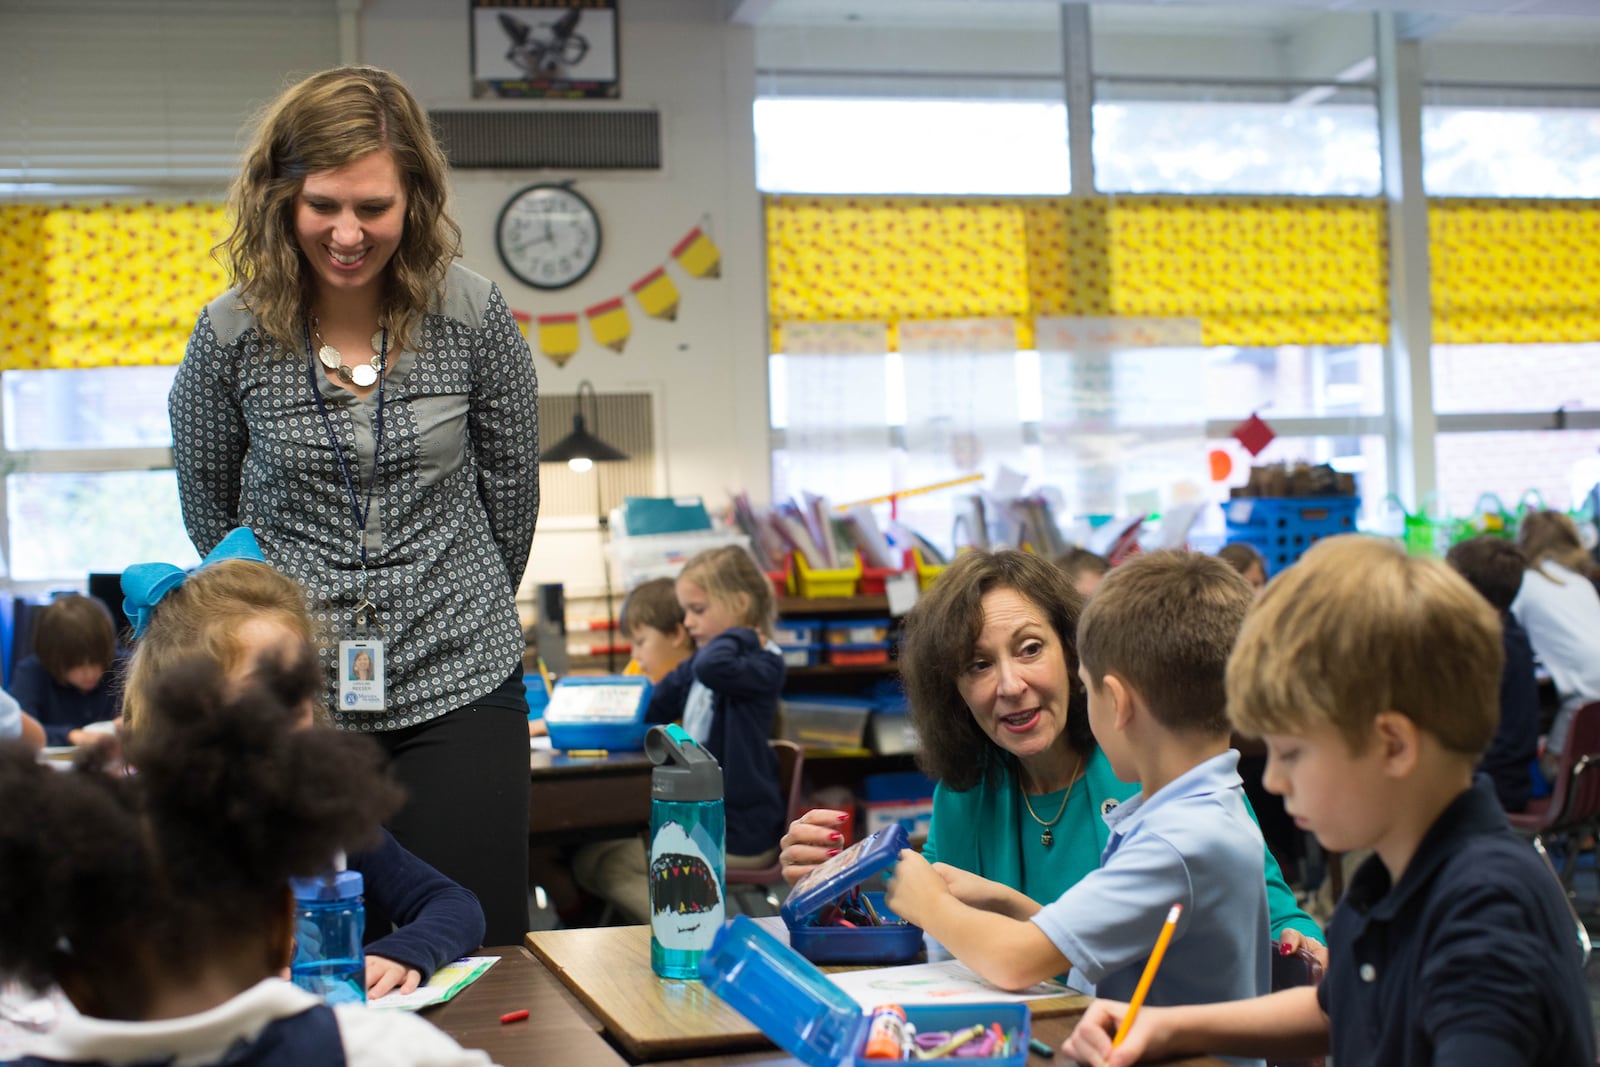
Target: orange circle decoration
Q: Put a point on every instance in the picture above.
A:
(1221, 465)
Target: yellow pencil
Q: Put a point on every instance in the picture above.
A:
(1149, 974)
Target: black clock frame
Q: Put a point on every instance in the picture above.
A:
(499, 236)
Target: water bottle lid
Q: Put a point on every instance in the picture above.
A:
(335, 885)
(684, 771)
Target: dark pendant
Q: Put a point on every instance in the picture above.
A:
(1047, 838)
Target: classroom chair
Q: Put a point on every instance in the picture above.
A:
(1572, 810)
(754, 890)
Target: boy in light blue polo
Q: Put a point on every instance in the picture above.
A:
(1153, 645)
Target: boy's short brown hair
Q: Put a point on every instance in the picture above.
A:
(1165, 623)
(653, 604)
(1356, 628)
(73, 631)
(1080, 561)
(1491, 565)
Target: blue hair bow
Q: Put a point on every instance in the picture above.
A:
(144, 584)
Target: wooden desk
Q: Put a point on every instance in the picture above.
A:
(607, 970)
(553, 1032)
(588, 798)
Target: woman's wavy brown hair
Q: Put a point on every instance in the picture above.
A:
(1546, 536)
(327, 121)
(937, 644)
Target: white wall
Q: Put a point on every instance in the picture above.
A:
(708, 368)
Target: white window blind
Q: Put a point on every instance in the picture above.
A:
(112, 94)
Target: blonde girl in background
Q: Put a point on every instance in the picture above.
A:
(727, 693)
(1560, 609)
(246, 618)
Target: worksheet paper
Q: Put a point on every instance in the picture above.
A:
(945, 982)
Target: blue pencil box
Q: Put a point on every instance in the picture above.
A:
(814, 1020)
(896, 941)
(599, 711)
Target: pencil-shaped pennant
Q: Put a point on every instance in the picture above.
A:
(610, 324)
(657, 294)
(558, 337)
(698, 255)
(524, 321)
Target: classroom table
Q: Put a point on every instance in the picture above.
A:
(588, 798)
(605, 976)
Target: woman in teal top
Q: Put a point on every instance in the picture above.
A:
(1022, 787)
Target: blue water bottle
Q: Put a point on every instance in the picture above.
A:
(329, 920)
(686, 852)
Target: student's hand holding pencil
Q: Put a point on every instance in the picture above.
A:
(1090, 1041)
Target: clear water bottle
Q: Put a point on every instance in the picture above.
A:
(686, 852)
(329, 921)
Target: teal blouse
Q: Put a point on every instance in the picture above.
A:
(986, 830)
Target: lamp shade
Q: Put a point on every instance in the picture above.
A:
(581, 444)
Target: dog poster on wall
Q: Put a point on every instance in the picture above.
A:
(550, 49)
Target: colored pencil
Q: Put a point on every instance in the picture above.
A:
(1149, 974)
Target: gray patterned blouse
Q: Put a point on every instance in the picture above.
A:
(453, 507)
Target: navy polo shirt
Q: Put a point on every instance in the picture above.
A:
(1472, 958)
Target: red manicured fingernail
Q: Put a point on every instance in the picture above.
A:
(845, 817)
(833, 852)
(836, 836)
(1284, 948)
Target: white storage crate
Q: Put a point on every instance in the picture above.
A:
(639, 559)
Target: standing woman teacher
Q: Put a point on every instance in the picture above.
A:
(368, 407)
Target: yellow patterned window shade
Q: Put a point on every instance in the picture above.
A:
(889, 258)
(105, 285)
(1255, 271)
(1515, 271)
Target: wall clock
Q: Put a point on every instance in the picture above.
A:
(548, 236)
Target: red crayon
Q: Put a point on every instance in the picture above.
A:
(514, 1016)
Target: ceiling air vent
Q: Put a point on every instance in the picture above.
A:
(556, 139)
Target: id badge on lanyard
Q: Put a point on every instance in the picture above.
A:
(362, 665)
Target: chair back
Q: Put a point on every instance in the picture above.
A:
(1575, 793)
(1298, 968)
(791, 760)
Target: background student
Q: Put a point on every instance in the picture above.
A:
(1153, 646)
(1495, 568)
(727, 693)
(369, 407)
(1247, 561)
(1373, 676)
(168, 926)
(1084, 569)
(16, 724)
(1560, 610)
(69, 681)
(247, 618)
(616, 870)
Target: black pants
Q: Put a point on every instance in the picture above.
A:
(466, 777)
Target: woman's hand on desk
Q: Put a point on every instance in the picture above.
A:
(812, 838)
(385, 975)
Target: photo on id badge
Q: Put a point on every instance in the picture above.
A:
(361, 675)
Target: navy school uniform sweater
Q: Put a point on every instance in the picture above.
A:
(60, 708)
(437, 920)
(745, 680)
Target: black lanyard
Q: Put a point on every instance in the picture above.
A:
(357, 509)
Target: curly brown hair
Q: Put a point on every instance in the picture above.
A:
(325, 122)
(937, 643)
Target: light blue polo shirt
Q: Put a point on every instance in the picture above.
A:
(10, 717)
(1191, 843)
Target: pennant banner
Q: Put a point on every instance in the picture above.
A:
(657, 294)
(609, 321)
(698, 255)
(558, 337)
(610, 324)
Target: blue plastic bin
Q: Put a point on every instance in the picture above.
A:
(1282, 528)
(815, 1021)
(599, 711)
(896, 941)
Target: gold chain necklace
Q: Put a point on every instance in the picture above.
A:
(1048, 838)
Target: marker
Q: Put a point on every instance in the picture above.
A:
(1039, 1048)
(514, 1016)
(587, 753)
(1149, 974)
